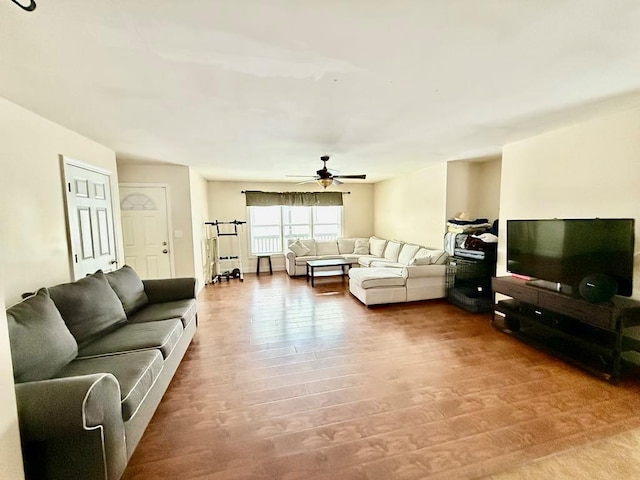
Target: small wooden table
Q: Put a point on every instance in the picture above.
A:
(334, 262)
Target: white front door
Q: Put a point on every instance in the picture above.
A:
(89, 218)
(145, 228)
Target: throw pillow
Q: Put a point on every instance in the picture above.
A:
(129, 288)
(88, 306)
(361, 246)
(41, 343)
(392, 250)
(429, 257)
(346, 245)
(407, 253)
(298, 248)
(376, 246)
(439, 257)
(423, 257)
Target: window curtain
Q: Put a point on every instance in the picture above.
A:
(293, 199)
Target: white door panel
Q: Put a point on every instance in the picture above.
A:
(145, 228)
(89, 218)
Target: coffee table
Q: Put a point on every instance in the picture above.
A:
(333, 262)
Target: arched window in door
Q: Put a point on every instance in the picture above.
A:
(137, 201)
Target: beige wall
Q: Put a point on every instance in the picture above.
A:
(486, 188)
(199, 215)
(474, 187)
(177, 178)
(587, 170)
(34, 246)
(10, 453)
(412, 207)
(33, 238)
(226, 203)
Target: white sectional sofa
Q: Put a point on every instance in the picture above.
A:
(390, 271)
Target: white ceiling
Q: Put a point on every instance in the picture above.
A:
(255, 90)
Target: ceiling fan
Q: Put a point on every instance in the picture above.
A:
(324, 177)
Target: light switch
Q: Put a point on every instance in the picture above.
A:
(177, 233)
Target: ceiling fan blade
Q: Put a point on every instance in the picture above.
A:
(301, 176)
(361, 177)
(311, 180)
(336, 181)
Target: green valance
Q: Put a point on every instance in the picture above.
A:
(293, 199)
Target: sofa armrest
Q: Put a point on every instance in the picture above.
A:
(414, 271)
(170, 289)
(72, 427)
(290, 262)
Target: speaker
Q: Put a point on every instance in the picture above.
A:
(597, 287)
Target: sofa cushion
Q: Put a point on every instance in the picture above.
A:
(407, 253)
(327, 248)
(352, 258)
(361, 246)
(129, 289)
(136, 373)
(161, 335)
(88, 306)
(392, 250)
(185, 310)
(346, 245)
(298, 248)
(377, 277)
(429, 257)
(366, 260)
(41, 343)
(376, 246)
(385, 263)
(305, 259)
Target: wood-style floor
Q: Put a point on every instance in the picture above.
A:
(285, 381)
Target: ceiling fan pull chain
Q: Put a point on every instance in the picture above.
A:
(28, 8)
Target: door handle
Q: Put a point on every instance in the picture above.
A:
(165, 251)
(113, 262)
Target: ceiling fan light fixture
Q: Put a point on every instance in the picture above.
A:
(324, 182)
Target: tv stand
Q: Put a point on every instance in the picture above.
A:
(554, 286)
(596, 337)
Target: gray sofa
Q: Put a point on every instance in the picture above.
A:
(91, 361)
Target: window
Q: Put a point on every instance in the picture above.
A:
(271, 227)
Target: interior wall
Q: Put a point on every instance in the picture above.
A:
(412, 207)
(34, 246)
(226, 203)
(178, 180)
(199, 215)
(34, 251)
(10, 451)
(474, 187)
(486, 195)
(582, 171)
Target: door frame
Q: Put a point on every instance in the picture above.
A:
(167, 196)
(64, 161)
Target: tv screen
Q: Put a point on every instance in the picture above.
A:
(566, 251)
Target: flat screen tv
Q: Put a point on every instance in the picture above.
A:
(565, 251)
